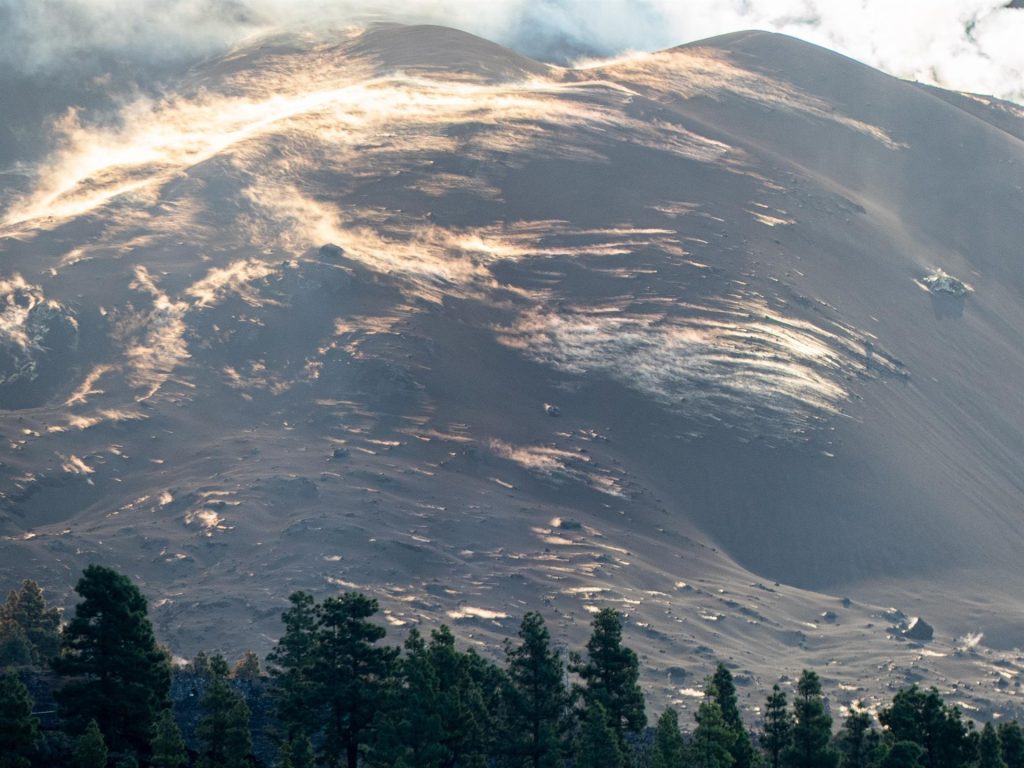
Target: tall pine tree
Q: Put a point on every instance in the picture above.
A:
(778, 727)
(535, 699)
(742, 749)
(91, 748)
(291, 668)
(409, 730)
(598, 745)
(349, 674)
(27, 608)
(19, 730)
(297, 752)
(115, 672)
(668, 750)
(713, 739)
(922, 717)
(330, 676)
(224, 731)
(990, 753)
(610, 675)
(811, 745)
(854, 740)
(1011, 738)
(168, 747)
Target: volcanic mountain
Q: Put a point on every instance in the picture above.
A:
(728, 336)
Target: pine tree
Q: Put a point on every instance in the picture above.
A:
(349, 674)
(19, 731)
(924, 719)
(15, 648)
(116, 674)
(597, 745)
(291, 667)
(778, 727)
(668, 750)
(238, 735)
(91, 750)
(535, 699)
(460, 702)
(200, 665)
(297, 752)
(168, 747)
(713, 739)
(854, 739)
(1011, 737)
(488, 683)
(812, 733)
(28, 609)
(990, 753)
(224, 732)
(330, 675)
(409, 729)
(903, 754)
(247, 667)
(742, 749)
(610, 675)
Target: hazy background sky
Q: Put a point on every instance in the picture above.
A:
(975, 45)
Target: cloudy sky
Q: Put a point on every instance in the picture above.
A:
(962, 44)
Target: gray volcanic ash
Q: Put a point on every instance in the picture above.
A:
(296, 322)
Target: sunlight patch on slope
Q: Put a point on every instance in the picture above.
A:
(685, 73)
(236, 278)
(740, 360)
(26, 318)
(340, 118)
(558, 463)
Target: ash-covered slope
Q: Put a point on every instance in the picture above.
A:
(715, 263)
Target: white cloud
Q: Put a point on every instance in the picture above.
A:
(962, 44)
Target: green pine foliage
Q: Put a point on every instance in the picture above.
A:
(598, 744)
(713, 738)
(362, 704)
(247, 668)
(535, 699)
(91, 749)
(921, 717)
(855, 739)
(27, 609)
(15, 648)
(778, 727)
(742, 749)
(290, 665)
(990, 752)
(297, 752)
(1011, 739)
(224, 732)
(19, 730)
(610, 674)
(668, 750)
(903, 754)
(115, 673)
(330, 675)
(409, 729)
(811, 745)
(168, 747)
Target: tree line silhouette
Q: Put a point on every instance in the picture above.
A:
(343, 698)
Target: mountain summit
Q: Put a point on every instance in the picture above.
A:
(717, 335)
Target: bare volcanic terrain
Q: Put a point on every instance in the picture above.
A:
(729, 337)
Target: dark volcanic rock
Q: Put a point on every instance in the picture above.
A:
(919, 630)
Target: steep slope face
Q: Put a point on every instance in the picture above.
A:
(306, 323)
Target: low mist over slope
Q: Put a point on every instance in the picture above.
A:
(718, 335)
